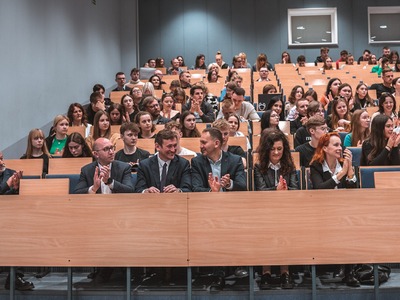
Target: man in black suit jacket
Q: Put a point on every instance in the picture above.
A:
(178, 173)
(9, 179)
(216, 170)
(105, 175)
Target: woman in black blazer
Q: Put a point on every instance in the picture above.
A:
(275, 171)
(331, 168)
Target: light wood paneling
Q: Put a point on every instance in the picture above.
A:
(68, 165)
(37, 187)
(386, 180)
(294, 227)
(94, 230)
(30, 167)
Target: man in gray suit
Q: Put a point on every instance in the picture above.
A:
(105, 175)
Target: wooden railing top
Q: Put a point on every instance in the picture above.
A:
(201, 229)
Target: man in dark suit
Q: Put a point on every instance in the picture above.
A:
(164, 172)
(105, 175)
(216, 170)
(9, 179)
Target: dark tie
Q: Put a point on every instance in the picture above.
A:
(163, 177)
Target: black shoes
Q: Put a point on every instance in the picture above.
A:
(350, 280)
(218, 284)
(286, 281)
(20, 283)
(265, 282)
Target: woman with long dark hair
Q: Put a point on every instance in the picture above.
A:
(382, 146)
(76, 146)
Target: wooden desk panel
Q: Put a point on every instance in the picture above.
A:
(294, 227)
(100, 230)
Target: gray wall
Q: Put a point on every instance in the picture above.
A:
(169, 28)
(52, 52)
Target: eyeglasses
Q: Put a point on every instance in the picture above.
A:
(107, 149)
(153, 106)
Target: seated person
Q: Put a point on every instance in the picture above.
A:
(301, 107)
(382, 146)
(263, 74)
(164, 172)
(174, 69)
(121, 82)
(316, 126)
(386, 85)
(184, 79)
(360, 129)
(9, 179)
(198, 106)
(36, 149)
(105, 175)
(135, 80)
(151, 105)
(177, 128)
(55, 142)
(216, 170)
(188, 123)
(302, 135)
(227, 108)
(130, 153)
(224, 127)
(101, 128)
(96, 104)
(245, 110)
(76, 146)
(146, 126)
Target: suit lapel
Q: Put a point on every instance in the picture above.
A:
(155, 171)
(224, 163)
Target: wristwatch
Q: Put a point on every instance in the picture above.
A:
(109, 181)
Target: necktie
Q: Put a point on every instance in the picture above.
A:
(163, 177)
